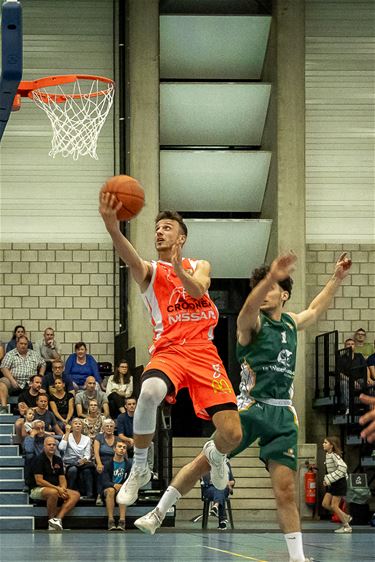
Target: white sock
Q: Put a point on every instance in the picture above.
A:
(216, 456)
(140, 457)
(169, 498)
(295, 546)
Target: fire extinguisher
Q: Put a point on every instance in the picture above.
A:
(310, 486)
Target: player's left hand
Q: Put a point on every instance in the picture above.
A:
(176, 257)
(342, 266)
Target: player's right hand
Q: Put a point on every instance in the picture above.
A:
(108, 207)
(283, 266)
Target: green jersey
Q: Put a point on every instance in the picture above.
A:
(268, 361)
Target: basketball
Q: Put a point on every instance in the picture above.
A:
(129, 192)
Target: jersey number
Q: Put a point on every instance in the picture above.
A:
(283, 337)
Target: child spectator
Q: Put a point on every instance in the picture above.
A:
(61, 402)
(29, 418)
(119, 387)
(115, 472)
(336, 482)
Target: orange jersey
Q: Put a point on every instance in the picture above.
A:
(176, 317)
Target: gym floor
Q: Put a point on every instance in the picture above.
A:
(188, 545)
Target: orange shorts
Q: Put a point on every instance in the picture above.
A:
(198, 368)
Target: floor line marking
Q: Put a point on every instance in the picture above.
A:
(234, 554)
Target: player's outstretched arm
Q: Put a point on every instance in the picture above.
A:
(322, 301)
(140, 269)
(248, 318)
(197, 283)
(369, 418)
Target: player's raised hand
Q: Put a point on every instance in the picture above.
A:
(176, 256)
(342, 266)
(108, 207)
(283, 266)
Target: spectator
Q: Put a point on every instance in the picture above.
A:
(61, 403)
(2, 350)
(80, 365)
(29, 395)
(115, 472)
(49, 348)
(336, 482)
(33, 446)
(92, 423)
(371, 368)
(17, 333)
(353, 365)
(49, 483)
(29, 418)
(42, 413)
(104, 444)
(91, 391)
(125, 431)
(119, 387)
(18, 366)
(361, 346)
(218, 497)
(77, 459)
(57, 371)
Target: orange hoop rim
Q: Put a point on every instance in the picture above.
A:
(27, 87)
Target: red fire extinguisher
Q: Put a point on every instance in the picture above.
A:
(310, 486)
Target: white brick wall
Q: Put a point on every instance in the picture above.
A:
(66, 286)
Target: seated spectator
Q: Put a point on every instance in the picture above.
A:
(31, 392)
(218, 497)
(125, 431)
(61, 403)
(119, 387)
(57, 371)
(18, 366)
(33, 446)
(351, 366)
(371, 368)
(114, 474)
(92, 423)
(42, 413)
(80, 365)
(17, 333)
(2, 350)
(104, 445)
(361, 346)
(48, 483)
(79, 469)
(29, 418)
(91, 392)
(49, 348)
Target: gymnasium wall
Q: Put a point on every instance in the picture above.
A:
(56, 258)
(340, 170)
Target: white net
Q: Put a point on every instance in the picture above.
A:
(77, 116)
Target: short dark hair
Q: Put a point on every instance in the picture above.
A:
(173, 216)
(261, 272)
(33, 377)
(80, 344)
(349, 339)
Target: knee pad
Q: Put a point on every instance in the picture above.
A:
(153, 391)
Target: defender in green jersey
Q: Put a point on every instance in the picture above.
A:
(266, 348)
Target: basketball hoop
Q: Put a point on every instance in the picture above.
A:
(77, 107)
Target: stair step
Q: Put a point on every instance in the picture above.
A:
(6, 439)
(368, 461)
(9, 450)
(12, 484)
(11, 473)
(15, 523)
(14, 498)
(94, 511)
(6, 462)
(7, 418)
(6, 428)
(18, 510)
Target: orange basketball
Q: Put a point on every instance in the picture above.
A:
(129, 192)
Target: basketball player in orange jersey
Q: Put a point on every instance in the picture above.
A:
(174, 290)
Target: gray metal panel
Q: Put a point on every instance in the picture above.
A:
(233, 247)
(213, 47)
(213, 180)
(213, 114)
